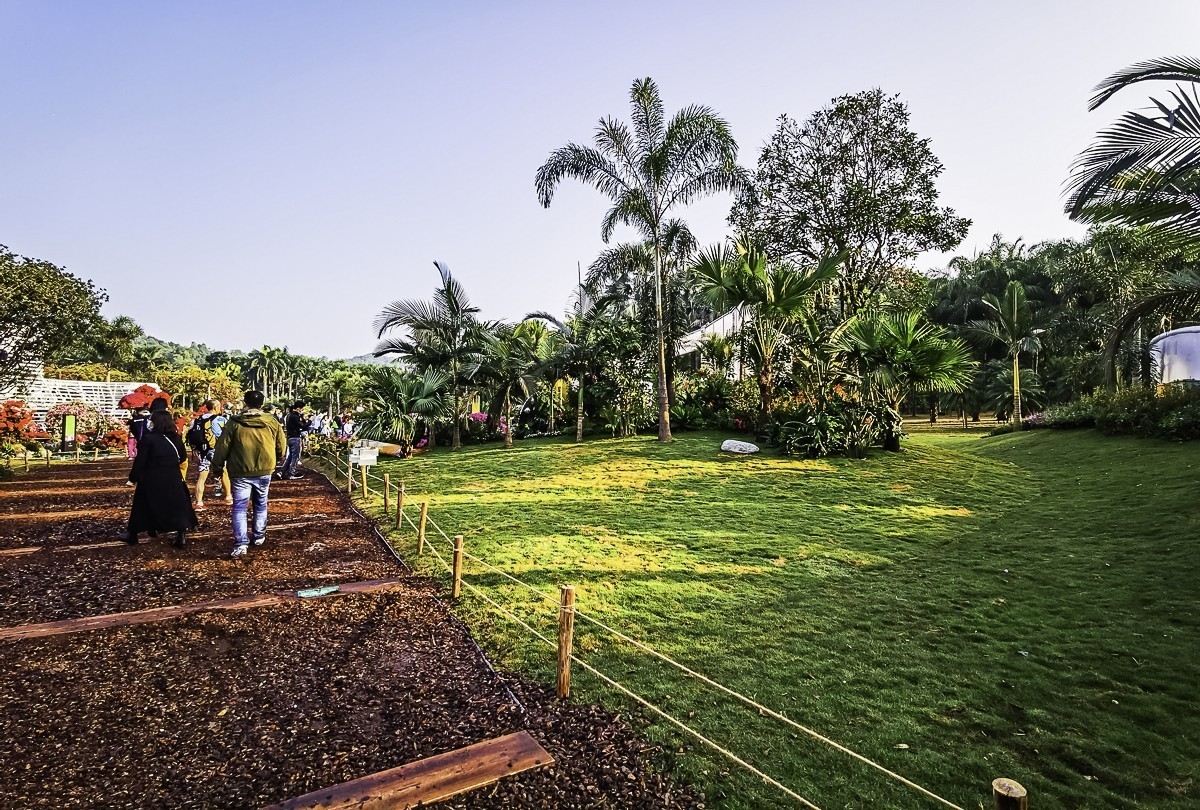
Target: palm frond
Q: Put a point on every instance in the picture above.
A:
(1167, 68)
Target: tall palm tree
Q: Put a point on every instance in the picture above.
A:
(646, 173)
(1013, 324)
(506, 366)
(442, 334)
(1145, 169)
(775, 294)
(577, 348)
(901, 352)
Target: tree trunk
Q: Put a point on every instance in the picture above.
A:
(1016, 414)
(579, 413)
(455, 435)
(507, 423)
(964, 416)
(550, 427)
(664, 406)
(891, 440)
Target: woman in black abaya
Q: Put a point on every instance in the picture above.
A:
(161, 502)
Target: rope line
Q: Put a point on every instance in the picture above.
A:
(506, 575)
(438, 528)
(716, 747)
(765, 710)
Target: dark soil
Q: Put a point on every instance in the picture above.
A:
(249, 708)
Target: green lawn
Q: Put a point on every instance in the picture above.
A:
(1020, 606)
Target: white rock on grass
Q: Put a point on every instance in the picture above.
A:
(734, 446)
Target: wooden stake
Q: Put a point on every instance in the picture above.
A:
(400, 508)
(387, 492)
(1009, 795)
(48, 455)
(96, 453)
(421, 528)
(349, 476)
(26, 459)
(566, 635)
(76, 451)
(458, 550)
(362, 471)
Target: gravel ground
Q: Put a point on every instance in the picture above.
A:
(249, 708)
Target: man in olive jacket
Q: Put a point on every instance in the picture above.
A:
(250, 446)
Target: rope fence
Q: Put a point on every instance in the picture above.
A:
(567, 613)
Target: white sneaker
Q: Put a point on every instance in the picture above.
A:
(258, 541)
(239, 552)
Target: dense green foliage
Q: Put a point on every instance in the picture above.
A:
(43, 310)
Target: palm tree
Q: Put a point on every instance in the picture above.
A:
(775, 294)
(647, 173)
(717, 351)
(114, 342)
(395, 400)
(1145, 169)
(545, 344)
(442, 334)
(577, 348)
(1013, 324)
(900, 353)
(506, 366)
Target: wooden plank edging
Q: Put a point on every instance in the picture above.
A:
(429, 780)
(158, 614)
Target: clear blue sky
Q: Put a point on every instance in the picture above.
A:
(310, 160)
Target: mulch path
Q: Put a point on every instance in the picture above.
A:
(249, 708)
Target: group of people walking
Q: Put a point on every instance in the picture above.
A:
(239, 452)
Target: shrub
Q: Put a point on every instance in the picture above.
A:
(1171, 412)
(16, 421)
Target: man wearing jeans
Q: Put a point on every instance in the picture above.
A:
(294, 425)
(250, 446)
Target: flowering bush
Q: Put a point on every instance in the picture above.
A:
(142, 396)
(16, 422)
(87, 418)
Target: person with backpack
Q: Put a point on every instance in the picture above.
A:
(202, 438)
(249, 447)
(295, 425)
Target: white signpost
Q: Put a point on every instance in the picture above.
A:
(364, 456)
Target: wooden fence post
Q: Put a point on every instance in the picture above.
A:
(362, 471)
(26, 460)
(421, 528)
(96, 452)
(400, 508)
(77, 452)
(387, 492)
(49, 454)
(456, 591)
(1009, 795)
(566, 635)
(349, 476)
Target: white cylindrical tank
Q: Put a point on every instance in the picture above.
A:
(1175, 355)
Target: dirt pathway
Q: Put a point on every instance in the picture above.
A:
(249, 708)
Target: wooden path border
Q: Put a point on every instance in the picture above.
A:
(158, 614)
(429, 780)
(207, 535)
